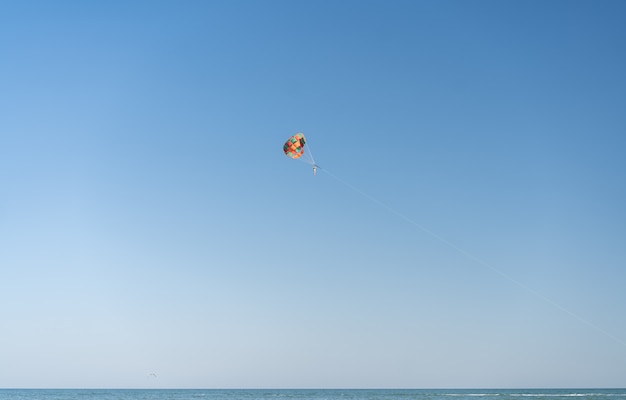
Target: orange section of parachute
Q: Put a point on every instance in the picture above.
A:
(294, 146)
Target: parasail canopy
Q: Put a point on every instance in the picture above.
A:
(294, 146)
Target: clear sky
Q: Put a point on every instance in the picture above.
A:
(150, 223)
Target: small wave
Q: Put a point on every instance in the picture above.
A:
(505, 394)
(564, 394)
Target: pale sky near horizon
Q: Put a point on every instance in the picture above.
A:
(469, 229)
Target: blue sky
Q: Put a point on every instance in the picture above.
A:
(149, 222)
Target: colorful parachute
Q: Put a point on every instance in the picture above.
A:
(294, 147)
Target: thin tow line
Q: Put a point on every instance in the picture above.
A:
(476, 259)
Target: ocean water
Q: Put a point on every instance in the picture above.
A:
(312, 394)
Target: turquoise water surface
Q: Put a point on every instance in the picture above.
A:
(312, 394)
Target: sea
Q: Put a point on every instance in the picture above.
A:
(312, 394)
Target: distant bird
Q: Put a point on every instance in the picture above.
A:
(152, 375)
